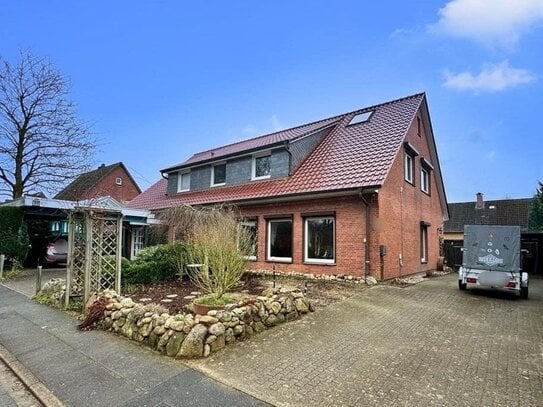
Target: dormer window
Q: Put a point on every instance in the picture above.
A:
(183, 182)
(218, 174)
(261, 166)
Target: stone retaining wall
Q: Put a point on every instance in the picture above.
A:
(188, 335)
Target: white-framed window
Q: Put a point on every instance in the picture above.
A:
(183, 181)
(251, 226)
(424, 180)
(137, 241)
(319, 239)
(424, 243)
(279, 242)
(409, 163)
(261, 167)
(118, 181)
(218, 174)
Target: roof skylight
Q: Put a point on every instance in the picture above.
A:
(361, 117)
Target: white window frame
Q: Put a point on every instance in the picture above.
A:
(118, 181)
(408, 164)
(253, 165)
(180, 181)
(137, 242)
(425, 180)
(213, 174)
(424, 244)
(255, 224)
(269, 257)
(306, 240)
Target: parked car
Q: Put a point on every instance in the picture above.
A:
(55, 250)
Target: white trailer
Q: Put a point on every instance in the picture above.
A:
(491, 260)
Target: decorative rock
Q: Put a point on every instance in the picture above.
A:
(189, 297)
(249, 331)
(211, 339)
(174, 344)
(271, 321)
(159, 330)
(226, 316)
(259, 327)
(268, 292)
(238, 330)
(213, 313)
(218, 344)
(195, 293)
(145, 330)
(193, 345)
(281, 317)
(229, 335)
(371, 281)
(301, 305)
(171, 296)
(177, 325)
(289, 305)
(275, 307)
(145, 299)
(217, 329)
(208, 320)
(207, 350)
(166, 300)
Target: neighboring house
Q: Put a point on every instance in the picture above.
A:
(505, 212)
(356, 194)
(47, 221)
(107, 180)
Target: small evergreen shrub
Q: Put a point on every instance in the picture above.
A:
(13, 235)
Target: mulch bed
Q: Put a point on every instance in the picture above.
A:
(171, 294)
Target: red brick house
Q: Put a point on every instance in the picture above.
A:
(356, 194)
(107, 180)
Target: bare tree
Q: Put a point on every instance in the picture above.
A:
(42, 141)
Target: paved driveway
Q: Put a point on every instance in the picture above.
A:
(428, 344)
(25, 282)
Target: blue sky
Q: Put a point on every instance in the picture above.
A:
(161, 80)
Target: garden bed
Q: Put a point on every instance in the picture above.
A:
(177, 295)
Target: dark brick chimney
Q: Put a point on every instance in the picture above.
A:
(479, 203)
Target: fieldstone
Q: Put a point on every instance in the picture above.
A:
(212, 313)
(193, 345)
(207, 350)
(229, 336)
(281, 317)
(249, 331)
(297, 294)
(145, 330)
(208, 320)
(271, 320)
(174, 344)
(232, 323)
(225, 316)
(189, 297)
(217, 329)
(108, 322)
(146, 319)
(127, 303)
(153, 340)
(108, 313)
(289, 305)
(301, 305)
(239, 311)
(291, 316)
(177, 325)
(218, 344)
(138, 337)
(159, 330)
(211, 339)
(268, 292)
(238, 330)
(275, 307)
(116, 315)
(371, 281)
(148, 314)
(166, 300)
(171, 296)
(259, 327)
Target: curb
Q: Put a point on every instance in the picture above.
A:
(37, 388)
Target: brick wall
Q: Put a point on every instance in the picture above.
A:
(350, 231)
(402, 207)
(107, 186)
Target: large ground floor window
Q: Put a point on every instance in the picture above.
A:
(279, 242)
(319, 242)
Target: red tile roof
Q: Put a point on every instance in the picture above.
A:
(353, 156)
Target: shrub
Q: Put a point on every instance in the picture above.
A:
(13, 235)
(218, 244)
(164, 262)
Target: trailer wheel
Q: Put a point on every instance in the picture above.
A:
(524, 293)
(462, 286)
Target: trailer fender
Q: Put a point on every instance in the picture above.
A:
(524, 279)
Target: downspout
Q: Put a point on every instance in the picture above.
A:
(367, 237)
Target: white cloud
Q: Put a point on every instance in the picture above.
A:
(490, 22)
(492, 78)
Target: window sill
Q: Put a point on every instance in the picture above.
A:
(279, 260)
(250, 258)
(260, 178)
(319, 263)
(409, 182)
(423, 261)
(218, 185)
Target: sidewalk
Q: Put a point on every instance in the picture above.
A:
(99, 368)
